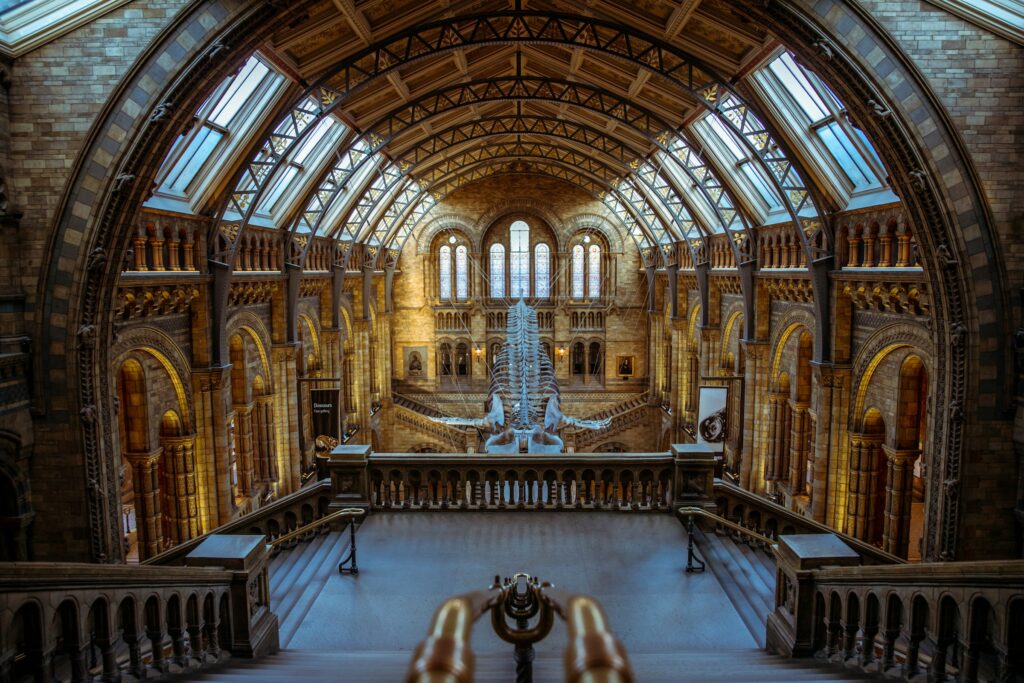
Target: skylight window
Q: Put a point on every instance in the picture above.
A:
(803, 98)
(712, 128)
(217, 128)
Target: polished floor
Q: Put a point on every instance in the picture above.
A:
(409, 562)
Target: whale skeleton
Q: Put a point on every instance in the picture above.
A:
(524, 376)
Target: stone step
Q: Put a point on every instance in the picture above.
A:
(732, 666)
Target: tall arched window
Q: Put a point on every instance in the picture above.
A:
(445, 268)
(461, 273)
(577, 272)
(519, 245)
(542, 271)
(594, 272)
(497, 271)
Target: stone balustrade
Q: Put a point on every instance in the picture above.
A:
(77, 621)
(769, 519)
(274, 519)
(960, 621)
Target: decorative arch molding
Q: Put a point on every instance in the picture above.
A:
(251, 324)
(112, 177)
(449, 221)
(733, 319)
(794, 319)
(884, 341)
(502, 209)
(166, 351)
(613, 232)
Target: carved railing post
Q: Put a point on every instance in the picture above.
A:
(694, 476)
(254, 628)
(791, 624)
(350, 478)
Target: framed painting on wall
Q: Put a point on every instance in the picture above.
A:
(625, 365)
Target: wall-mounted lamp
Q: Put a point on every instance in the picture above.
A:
(478, 350)
(561, 351)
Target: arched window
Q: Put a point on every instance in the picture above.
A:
(519, 245)
(594, 272)
(446, 360)
(542, 271)
(445, 268)
(462, 360)
(577, 272)
(497, 271)
(577, 358)
(596, 363)
(461, 274)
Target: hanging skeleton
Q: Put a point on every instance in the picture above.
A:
(524, 377)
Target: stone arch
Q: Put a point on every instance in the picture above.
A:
(951, 218)
(880, 344)
(613, 233)
(507, 208)
(250, 324)
(426, 235)
(165, 350)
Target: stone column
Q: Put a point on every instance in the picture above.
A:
(286, 409)
(898, 491)
(771, 463)
(146, 484)
(181, 506)
(264, 444)
(755, 423)
(800, 422)
(831, 447)
(244, 446)
(212, 392)
(864, 486)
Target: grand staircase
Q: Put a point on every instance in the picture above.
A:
(675, 626)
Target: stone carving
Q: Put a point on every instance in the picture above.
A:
(524, 376)
(97, 259)
(123, 180)
(162, 112)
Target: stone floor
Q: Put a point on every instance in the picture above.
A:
(409, 562)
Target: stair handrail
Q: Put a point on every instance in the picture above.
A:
(316, 524)
(239, 524)
(701, 512)
(593, 655)
(445, 656)
(865, 550)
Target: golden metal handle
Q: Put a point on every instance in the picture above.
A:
(446, 656)
(346, 512)
(594, 654)
(727, 522)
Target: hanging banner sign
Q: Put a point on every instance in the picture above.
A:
(712, 426)
(326, 409)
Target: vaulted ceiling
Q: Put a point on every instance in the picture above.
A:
(435, 95)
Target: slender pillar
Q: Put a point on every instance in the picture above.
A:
(146, 484)
(898, 485)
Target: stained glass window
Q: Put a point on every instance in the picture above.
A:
(519, 249)
(461, 273)
(577, 272)
(594, 272)
(445, 266)
(497, 271)
(542, 271)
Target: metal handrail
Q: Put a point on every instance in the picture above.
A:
(446, 656)
(727, 522)
(316, 523)
(594, 654)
